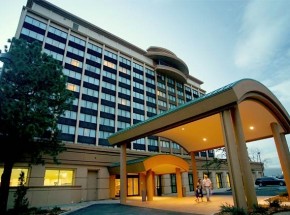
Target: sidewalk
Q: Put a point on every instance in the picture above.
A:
(167, 203)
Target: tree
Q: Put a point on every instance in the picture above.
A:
(33, 95)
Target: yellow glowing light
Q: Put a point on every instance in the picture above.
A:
(204, 139)
(252, 127)
(182, 129)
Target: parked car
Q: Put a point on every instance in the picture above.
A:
(264, 181)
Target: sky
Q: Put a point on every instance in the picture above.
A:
(221, 41)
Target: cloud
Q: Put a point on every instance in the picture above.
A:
(264, 32)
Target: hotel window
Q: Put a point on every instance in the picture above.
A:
(125, 61)
(150, 99)
(170, 81)
(124, 70)
(171, 89)
(32, 34)
(107, 109)
(150, 90)
(73, 87)
(180, 101)
(161, 85)
(89, 105)
(138, 85)
(55, 55)
(55, 43)
(88, 118)
(109, 75)
(171, 106)
(124, 101)
(66, 129)
(93, 69)
(58, 177)
(108, 97)
(75, 51)
(219, 181)
(150, 72)
(123, 125)
(124, 91)
(139, 117)
(76, 101)
(138, 95)
(74, 62)
(57, 32)
(180, 92)
(35, 22)
(151, 109)
(107, 122)
(172, 98)
(138, 76)
(125, 80)
(149, 80)
(164, 143)
(72, 74)
(160, 93)
(124, 113)
(91, 80)
(138, 105)
(77, 40)
(94, 58)
(175, 146)
(15, 174)
(152, 142)
(105, 134)
(173, 183)
(70, 114)
(110, 54)
(108, 86)
(94, 48)
(86, 132)
(110, 64)
(137, 66)
(90, 92)
(162, 103)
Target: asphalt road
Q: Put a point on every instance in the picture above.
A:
(262, 191)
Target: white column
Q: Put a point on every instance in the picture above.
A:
(233, 162)
(244, 162)
(283, 153)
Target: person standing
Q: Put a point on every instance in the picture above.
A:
(198, 191)
(207, 186)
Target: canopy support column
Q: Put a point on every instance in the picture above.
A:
(194, 168)
(233, 161)
(123, 175)
(244, 159)
(149, 185)
(178, 183)
(283, 153)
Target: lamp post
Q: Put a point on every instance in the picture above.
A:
(259, 160)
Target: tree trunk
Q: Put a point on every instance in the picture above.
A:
(4, 187)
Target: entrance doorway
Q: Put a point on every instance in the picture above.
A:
(132, 185)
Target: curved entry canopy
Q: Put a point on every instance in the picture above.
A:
(159, 164)
(228, 117)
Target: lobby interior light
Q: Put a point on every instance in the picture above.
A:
(204, 139)
(251, 127)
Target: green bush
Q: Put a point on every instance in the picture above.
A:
(226, 208)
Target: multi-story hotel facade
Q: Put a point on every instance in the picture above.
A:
(116, 85)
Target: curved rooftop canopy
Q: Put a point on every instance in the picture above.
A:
(197, 125)
(168, 62)
(159, 164)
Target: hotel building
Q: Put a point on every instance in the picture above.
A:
(116, 85)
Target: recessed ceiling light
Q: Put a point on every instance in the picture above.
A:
(182, 129)
(252, 127)
(204, 139)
